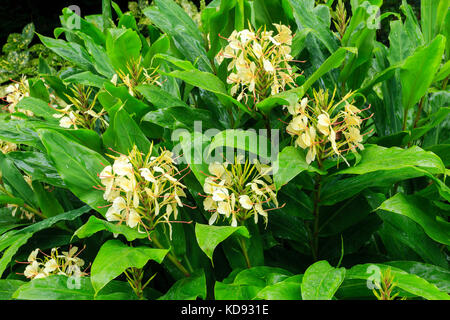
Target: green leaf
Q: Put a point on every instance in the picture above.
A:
(47, 223)
(4, 199)
(160, 98)
(115, 257)
(374, 158)
(48, 203)
(179, 117)
(438, 276)
(246, 140)
(432, 14)
(209, 82)
(8, 287)
(332, 62)
(38, 166)
(123, 46)
(13, 177)
(194, 146)
(405, 239)
(246, 284)
(321, 281)
(443, 73)
(288, 289)
(94, 225)
(223, 291)
(306, 17)
(125, 133)
(70, 51)
(78, 166)
(408, 282)
(101, 61)
(175, 22)
(418, 209)
(14, 239)
(209, 237)
(59, 287)
(290, 163)
(132, 105)
(38, 90)
(86, 78)
(339, 189)
(423, 65)
(17, 131)
(39, 107)
(430, 123)
(188, 288)
(83, 27)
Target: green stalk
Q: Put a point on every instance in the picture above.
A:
(244, 252)
(239, 20)
(315, 234)
(135, 282)
(172, 258)
(419, 111)
(25, 206)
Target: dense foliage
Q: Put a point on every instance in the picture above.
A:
(252, 149)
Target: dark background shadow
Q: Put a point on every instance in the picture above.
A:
(15, 14)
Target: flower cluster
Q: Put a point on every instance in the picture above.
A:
(144, 190)
(66, 263)
(136, 75)
(259, 62)
(326, 128)
(80, 113)
(239, 191)
(16, 92)
(7, 147)
(17, 207)
(24, 213)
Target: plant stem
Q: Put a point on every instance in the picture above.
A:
(419, 111)
(405, 115)
(25, 206)
(135, 282)
(315, 235)
(240, 22)
(172, 258)
(268, 127)
(188, 263)
(244, 251)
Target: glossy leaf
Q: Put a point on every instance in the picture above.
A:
(78, 166)
(290, 163)
(209, 236)
(94, 225)
(417, 209)
(423, 65)
(288, 289)
(245, 140)
(8, 287)
(188, 288)
(246, 284)
(321, 281)
(375, 158)
(408, 282)
(179, 117)
(59, 287)
(123, 47)
(115, 257)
